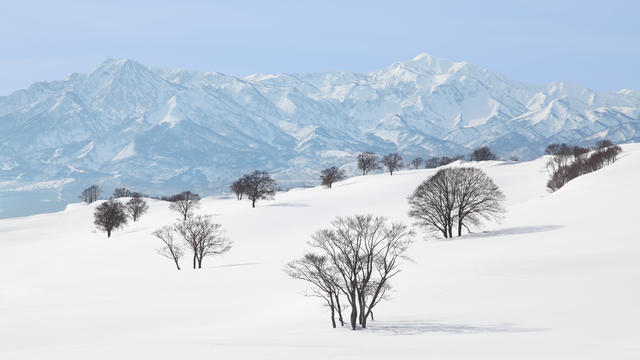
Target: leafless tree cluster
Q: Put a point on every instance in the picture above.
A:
(185, 203)
(392, 162)
(110, 215)
(568, 162)
(121, 192)
(199, 234)
(257, 185)
(417, 163)
(357, 258)
(434, 162)
(91, 194)
(331, 175)
(455, 197)
(482, 154)
(367, 161)
(136, 206)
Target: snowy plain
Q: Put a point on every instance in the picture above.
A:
(557, 278)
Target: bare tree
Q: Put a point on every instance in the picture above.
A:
(455, 196)
(365, 252)
(91, 194)
(318, 271)
(109, 216)
(433, 202)
(185, 203)
(367, 161)
(477, 197)
(170, 248)
(392, 162)
(603, 144)
(259, 186)
(483, 154)
(432, 163)
(417, 163)
(203, 237)
(121, 192)
(331, 175)
(238, 188)
(136, 206)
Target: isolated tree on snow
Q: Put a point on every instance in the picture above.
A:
(367, 161)
(318, 271)
(170, 249)
(392, 162)
(433, 202)
(477, 197)
(109, 216)
(366, 253)
(455, 197)
(91, 194)
(136, 207)
(417, 163)
(259, 186)
(331, 175)
(483, 154)
(203, 237)
(238, 188)
(185, 203)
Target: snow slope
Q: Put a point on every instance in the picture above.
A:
(162, 131)
(557, 279)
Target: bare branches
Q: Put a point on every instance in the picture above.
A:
(136, 207)
(359, 255)
(170, 249)
(455, 195)
(185, 203)
(392, 162)
(202, 237)
(331, 175)
(109, 216)
(367, 161)
(257, 186)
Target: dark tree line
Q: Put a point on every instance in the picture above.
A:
(569, 162)
(455, 198)
(357, 258)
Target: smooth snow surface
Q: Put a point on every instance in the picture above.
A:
(557, 279)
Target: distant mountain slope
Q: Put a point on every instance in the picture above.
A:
(161, 131)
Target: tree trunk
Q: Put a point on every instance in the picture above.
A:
(177, 264)
(460, 227)
(339, 308)
(333, 310)
(194, 261)
(354, 311)
(108, 233)
(253, 203)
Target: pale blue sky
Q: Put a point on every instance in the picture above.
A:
(595, 44)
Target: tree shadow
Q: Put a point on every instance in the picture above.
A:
(515, 231)
(239, 264)
(289, 205)
(422, 327)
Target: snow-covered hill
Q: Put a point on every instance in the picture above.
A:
(162, 131)
(557, 279)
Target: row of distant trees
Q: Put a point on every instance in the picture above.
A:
(569, 162)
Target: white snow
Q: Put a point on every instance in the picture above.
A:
(169, 118)
(557, 279)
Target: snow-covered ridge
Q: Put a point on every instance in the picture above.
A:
(200, 130)
(556, 279)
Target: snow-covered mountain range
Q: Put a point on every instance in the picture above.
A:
(160, 131)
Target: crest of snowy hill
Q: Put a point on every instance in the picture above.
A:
(161, 131)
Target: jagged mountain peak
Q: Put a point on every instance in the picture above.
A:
(162, 130)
